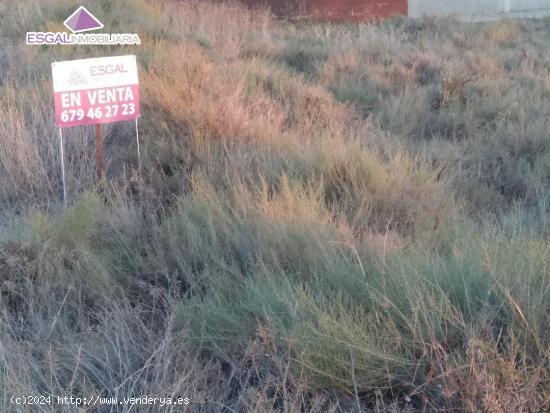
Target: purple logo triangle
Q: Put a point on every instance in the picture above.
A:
(82, 21)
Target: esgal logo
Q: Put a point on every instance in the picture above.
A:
(82, 20)
(107, 70)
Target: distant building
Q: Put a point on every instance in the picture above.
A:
(480, 9)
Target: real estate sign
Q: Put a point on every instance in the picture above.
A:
(92, 91)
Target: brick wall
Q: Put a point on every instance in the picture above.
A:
(338, 9)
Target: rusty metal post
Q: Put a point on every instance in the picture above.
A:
(99, 153)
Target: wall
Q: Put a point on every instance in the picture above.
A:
(359, 9)
(480, 9)
(337, 9)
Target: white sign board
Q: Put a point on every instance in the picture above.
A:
(92, 91)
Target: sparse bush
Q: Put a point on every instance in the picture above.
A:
(504, 33)
(304, 55)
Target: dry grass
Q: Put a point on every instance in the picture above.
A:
(329, 217)
(504, 33)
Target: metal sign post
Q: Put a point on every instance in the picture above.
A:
(62, 155)
(138, 150)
